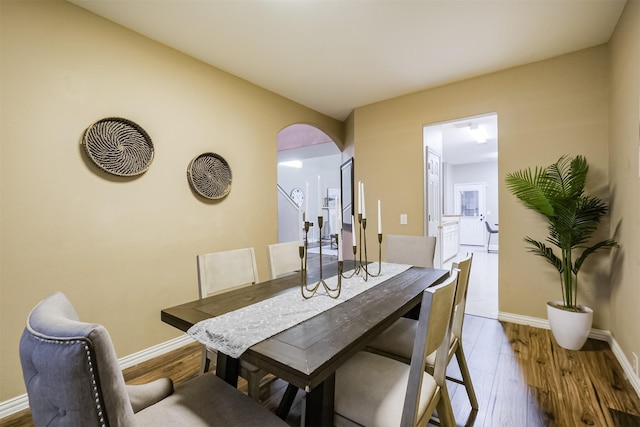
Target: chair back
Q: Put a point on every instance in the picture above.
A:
(434, 327)
(222, 271)
(413, 250)
(464, 272)
(489, 229)
(71, 370)
(283, 258)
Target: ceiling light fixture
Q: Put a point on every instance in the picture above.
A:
(478, 133)
(292, 164)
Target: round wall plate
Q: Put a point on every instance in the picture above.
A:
(209, 175)
(118, 146)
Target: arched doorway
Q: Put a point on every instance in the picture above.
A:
(304, 154)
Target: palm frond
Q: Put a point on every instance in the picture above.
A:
(540, 249)
(529, 187)
(609, 243)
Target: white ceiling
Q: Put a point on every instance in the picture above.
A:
(334, 56)
(459, 147)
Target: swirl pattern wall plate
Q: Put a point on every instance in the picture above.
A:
(209, 175)
(118, 146)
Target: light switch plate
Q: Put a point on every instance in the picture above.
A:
(403, 219)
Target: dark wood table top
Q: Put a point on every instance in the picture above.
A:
(308, 353)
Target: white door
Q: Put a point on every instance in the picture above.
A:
(433, 200)
(470, 205)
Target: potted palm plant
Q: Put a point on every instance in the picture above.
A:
(557, 192)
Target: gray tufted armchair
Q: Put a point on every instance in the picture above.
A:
(73, 378)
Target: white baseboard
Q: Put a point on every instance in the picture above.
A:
(19, 403)
(597, 334)
(156, 350)
(626, 365)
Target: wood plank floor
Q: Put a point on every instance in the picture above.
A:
(521, 377)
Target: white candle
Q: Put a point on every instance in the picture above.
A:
(353, 230)
(306, 203)
(319, 199)
(339, 227)
(359, 197)
(300, 225)
(364, 204)
(379, 219)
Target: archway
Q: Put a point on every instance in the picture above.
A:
(304, 154)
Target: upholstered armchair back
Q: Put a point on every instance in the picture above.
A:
(71, 370)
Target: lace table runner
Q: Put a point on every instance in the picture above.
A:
(234, 332)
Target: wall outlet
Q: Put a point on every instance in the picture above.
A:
(635, 363)
(403, 219)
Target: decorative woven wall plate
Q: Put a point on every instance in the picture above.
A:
(209, 175)
(118, 146)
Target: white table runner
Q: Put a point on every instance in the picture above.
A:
(234, 332)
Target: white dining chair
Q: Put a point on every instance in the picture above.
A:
(220, 272)
(283, 258)
(397, 340)
(376, 391)
(413, 250)
(226, 270)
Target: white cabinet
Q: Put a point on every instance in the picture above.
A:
(450, 237)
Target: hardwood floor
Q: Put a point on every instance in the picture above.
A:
(521, 377)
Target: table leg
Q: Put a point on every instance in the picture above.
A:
(319, 411)
(287, 400)
(227, 368)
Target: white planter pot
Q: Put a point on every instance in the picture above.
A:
(570, 329)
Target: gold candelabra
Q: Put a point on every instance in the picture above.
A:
(307, 290)
(362, 266)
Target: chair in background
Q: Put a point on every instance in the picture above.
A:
(413, 250)
(223, 271)
(491, 231)
(283, 258)
(376, 391)
(73, 378)
(397, 341)
(220, 272)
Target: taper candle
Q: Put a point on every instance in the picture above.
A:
(379, 219)
(300, 225)
(338, 213)
(306, 202)
(319, 199)
(353, 229)
(364, 204)
(339, 237)
(359, 197)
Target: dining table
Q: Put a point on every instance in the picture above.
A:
(308, 354)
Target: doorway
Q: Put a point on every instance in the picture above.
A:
(468, 196)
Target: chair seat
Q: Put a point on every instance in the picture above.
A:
(207, 401)
(370, 390)
(397, 341)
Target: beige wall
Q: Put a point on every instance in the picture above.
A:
(121, 249)
(545, 110)
(624, 143)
